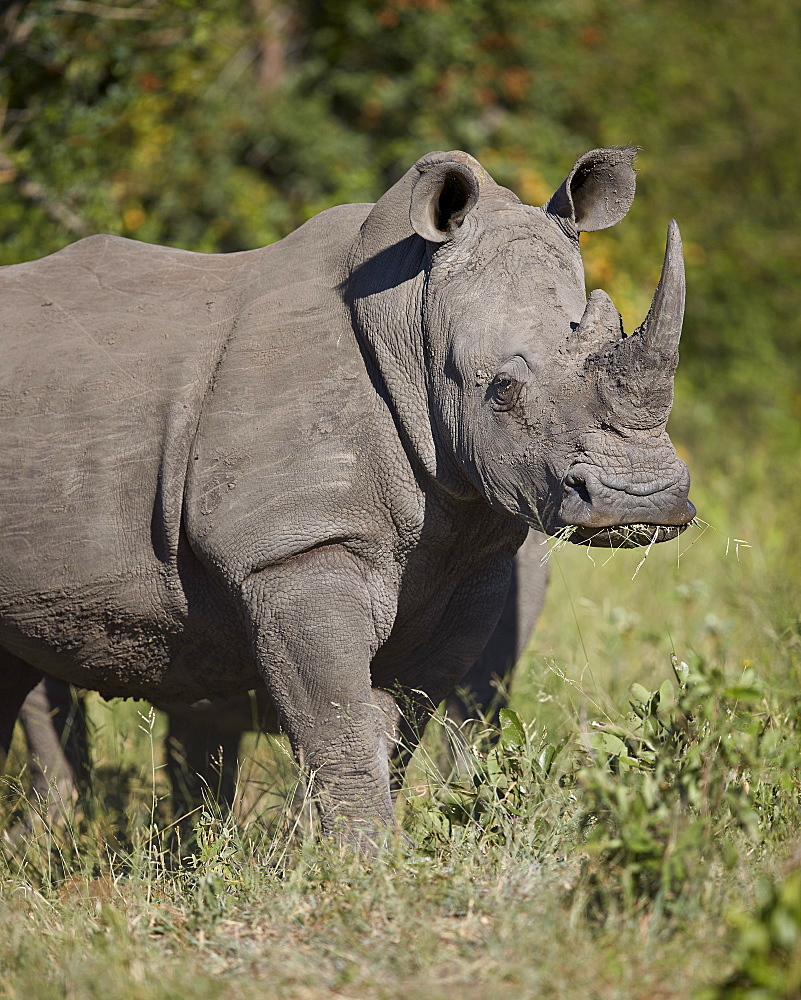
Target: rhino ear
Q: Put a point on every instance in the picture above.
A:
(598, 191)
(442, 196)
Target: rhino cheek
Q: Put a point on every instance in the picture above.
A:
(514, 478)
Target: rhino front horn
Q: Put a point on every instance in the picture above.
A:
(661, 328)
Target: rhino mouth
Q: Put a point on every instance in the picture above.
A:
(625, 536)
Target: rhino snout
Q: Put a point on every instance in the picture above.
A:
(591, 501)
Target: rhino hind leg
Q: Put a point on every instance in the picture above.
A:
(53, 718)
(17, 680)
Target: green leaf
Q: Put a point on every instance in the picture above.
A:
(546, 759)
(608, 743)
(513, 732)
(667, 695)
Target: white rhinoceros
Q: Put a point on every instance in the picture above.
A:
(310, 465)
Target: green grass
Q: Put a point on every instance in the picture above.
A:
(633, 835)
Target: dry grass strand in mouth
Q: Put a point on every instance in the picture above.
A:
(641, 563)
(626, 536)
(630, 536)
(557, 541)
(633, 535)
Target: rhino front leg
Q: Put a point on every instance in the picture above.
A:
(314, 637)
(482, 692)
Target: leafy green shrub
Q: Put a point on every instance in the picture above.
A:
(654, 798)
(511, 795)
(696, 767)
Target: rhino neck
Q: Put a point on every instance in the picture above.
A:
(384, 291)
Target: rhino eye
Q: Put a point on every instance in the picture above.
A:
(505, 391)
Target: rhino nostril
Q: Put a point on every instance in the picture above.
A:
(579, 486)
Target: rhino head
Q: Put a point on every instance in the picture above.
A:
(535, 396)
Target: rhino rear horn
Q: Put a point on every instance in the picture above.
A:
(661, 328)
(600, 323)
(443, 195)
(598, 191)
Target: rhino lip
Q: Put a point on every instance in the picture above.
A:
(625, 536)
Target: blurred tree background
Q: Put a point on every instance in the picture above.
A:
(222, 126)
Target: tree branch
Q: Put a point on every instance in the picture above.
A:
(100, 10)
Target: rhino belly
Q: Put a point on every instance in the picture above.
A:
(123, 642)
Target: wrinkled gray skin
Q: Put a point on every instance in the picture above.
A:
(202, 744)
(311, 464)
